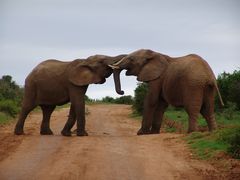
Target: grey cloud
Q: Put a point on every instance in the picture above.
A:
(33, 30)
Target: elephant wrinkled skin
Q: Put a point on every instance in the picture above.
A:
(186, 81)
(54, 82)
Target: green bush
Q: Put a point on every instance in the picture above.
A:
(124, 100)
(120, 100)
(10, 90)
(4, 118)
(139, 96)
(9, 107)
(230, 110)
(229, 86)
(108, 99)
(231, 136)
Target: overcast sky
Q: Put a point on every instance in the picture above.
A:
(34, 30)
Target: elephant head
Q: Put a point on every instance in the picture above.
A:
(146, 64)
(95, 69)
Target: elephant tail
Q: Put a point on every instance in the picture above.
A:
(219, 94)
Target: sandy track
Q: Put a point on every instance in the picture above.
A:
(111, 151)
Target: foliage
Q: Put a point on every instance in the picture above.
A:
(10, 90)
(87, 99)
(205, 145)
(229, 86)
(208, 145)
(124, 100)
(9, 107)
(229, 111)
(231, 136)
(139, 96)
(120, 100)
(4, 118)
(108, 99)
(10, 96)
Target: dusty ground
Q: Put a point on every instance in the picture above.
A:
(111, 151)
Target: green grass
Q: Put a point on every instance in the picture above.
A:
(180, 116)
(205, 145)
(4, 118)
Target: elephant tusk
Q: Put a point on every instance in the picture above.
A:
(117, 63)
(113, 66)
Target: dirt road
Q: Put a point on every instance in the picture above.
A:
(112, 151)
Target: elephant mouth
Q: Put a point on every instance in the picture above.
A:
(129, 73)
(108, 75)
(102, 81)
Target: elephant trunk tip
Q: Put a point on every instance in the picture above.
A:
(120, 92)
(116, 76)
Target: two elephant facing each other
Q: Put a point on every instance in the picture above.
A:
(54, 82)
(186, 81)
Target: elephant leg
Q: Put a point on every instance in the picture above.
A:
(27, 107)
(193, 100)
(78, 103)
(193, 111)
(47, 111)
(207, 110)
(192, 121)
(80, 115)
(158, 116)
(150, 106)
(70, 122)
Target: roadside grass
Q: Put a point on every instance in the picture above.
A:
(6, 118)
(205, 145)
(225, 141)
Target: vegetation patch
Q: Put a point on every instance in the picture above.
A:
(206, 145)
(4, 118)
(10, 99)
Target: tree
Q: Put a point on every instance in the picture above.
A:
(139, 96)
(124, 100)
(229, 86)
(10, 96)
(108, 99)
(9, 89)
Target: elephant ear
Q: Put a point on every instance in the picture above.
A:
(152, 69)
(83, 75)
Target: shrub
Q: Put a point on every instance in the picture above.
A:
(139, 96)
(229, 86)
(230, 110)
(10, 90)
(124, 100)
(9, 107)
(108, 99)
(231, 136)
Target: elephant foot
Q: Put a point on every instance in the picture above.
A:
(18, 132)
(46, 132)
(143, 131)
(155, 131)
(82, 133)
(66, 133)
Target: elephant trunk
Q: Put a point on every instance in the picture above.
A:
(116, 76)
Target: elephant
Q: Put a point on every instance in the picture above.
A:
(186, 82)
(55, 82)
